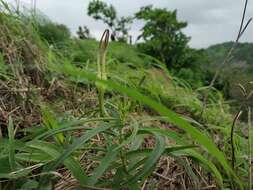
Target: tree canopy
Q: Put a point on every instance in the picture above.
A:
(107, 13)
(162, 34)
(83, 33)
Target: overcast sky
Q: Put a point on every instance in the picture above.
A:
(209, 21)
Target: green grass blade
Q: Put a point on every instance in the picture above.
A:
(70, 127)
(6, 6)
(104, 164)
(146, 152)
(151, 161)
(11, 144)
(209, 164)
(77, 144)
(167, 133)
(70, 163)
(131, 137)
(190, 153)
(21, 172)
(34, 157)
(51, 123)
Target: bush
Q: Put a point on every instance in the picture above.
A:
(194, 78)
(54, 33)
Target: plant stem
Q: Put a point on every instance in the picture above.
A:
(101, 93)
(101, 69)
(228, 56)
(250, 148)
(232, 138)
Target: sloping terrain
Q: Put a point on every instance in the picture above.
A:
(153, 134)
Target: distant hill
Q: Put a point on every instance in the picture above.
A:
(243, 52)
(238, 70)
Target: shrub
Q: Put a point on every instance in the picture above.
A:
(54, 33)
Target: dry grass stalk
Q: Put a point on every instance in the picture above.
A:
(229, 54)
(232, 138)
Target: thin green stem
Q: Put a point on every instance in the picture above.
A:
(101, 101)
(250, 148)
(122, 157)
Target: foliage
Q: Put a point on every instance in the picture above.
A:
(239, 69)
(162, 35)
(193, 67)
(83, 33)
(54, 33)
(164, 39)
(81, 51)
(99, 10)
(242, 52)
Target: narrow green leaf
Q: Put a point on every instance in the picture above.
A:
(11, 135)
(150, 163)
(146, 152)
(190, 153)
(70, 163)
(35, 157)
(131, 137)
(77, 144)
(104, 164)
(30, 185)
(207, 163)
(69, 126)
(51, 123)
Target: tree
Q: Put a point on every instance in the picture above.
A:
(107, 13)
(162, 35)
(192, 67)
(83, 33)
(123, 29)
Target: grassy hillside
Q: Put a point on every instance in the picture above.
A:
(152, 135)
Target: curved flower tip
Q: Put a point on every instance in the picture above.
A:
(104, 40)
